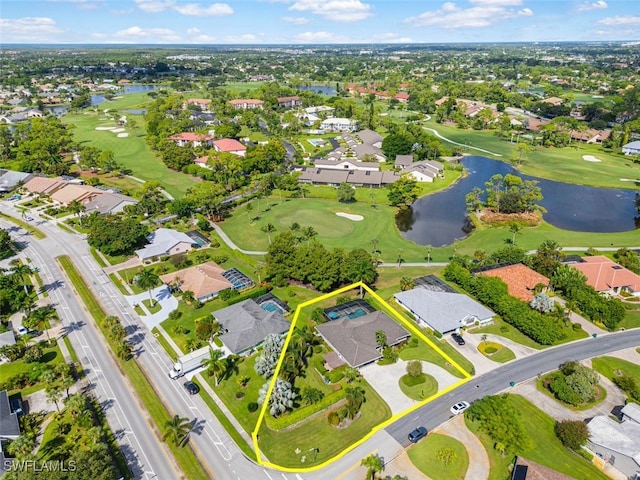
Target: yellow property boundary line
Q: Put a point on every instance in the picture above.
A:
(388, 309)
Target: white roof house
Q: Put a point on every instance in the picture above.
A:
(632, 148)
(443, 311)
(618, 443)
(165, 241)
(336, 124)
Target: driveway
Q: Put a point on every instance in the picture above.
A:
(384, 379)
(479, 465)
(519, 350)
(163, 296)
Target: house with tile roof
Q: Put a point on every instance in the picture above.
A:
(203, 103)
(44, 185)
(289, 102)
(247, 324)
(165, 242)
(443, 311)
(71, 192)
(520, 279)
(354, 339)
(204, 280)
(230, 145)
(607, 276)
(246, 104)
(185, 139)
(108, 203)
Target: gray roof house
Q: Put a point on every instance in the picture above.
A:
(617, 443)
(367, 149)
(354, 339)
(425, 170)
(369, 137)
(443, 311)
(327, 176)
(165, 241)
(403, 161)
(632, 148)
(246, 324)
(9, 426)
(10, 179)
(108, 203)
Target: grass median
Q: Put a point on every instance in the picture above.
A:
(32, 230)
(185, 456)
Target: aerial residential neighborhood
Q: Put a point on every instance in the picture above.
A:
(406, 249)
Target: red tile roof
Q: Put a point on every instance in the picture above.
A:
(520, 280)
(228, 145)
(199, 101)
(604, 274)
(191, 137)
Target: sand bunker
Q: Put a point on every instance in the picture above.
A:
(122, 135)
(117, 130)
(590, 158)
(105, 128)
(629, 180)
(355, 218)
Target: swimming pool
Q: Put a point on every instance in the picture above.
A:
(270, 306)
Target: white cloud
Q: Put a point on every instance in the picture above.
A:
(484, 13)
(159, 35)
(587, 6)
(245, 38)
(335, 10)
(620, 20)
(213, 10)
(295, 20)
(190, 9)
(29, 29)
(196, 36)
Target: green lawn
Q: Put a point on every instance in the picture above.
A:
(631, 319)
(608, 365)
(496, 352)
(419, 391)
(427, 354)
(316, 433)
(561, 164)
(502, 328)
(50, 358)
(132, 151)
(424, 456)
(539, 428)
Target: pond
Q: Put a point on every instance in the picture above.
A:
(323, 89)
(440, 219)
(98, 99)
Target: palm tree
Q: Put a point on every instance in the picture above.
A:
(514, 228)
(124, 350)
(147, 280)
(381, 339)
(428, 254)
(40, 317)
(406, 283)
(374, 464)
(110, 321)
(54, 394)
(76, 404)
(177, 429)
(192, 344)
(188, 297)
(21, 446)
(215, 364)
(22, 271)
(308, 233)
(77, 208)
(268, 229)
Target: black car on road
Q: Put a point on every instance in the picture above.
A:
(416, 435)
(191, 387)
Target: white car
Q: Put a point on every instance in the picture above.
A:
(459, 407)
(22, 330)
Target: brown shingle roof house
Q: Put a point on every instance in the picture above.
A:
(354, 339)
(44, 185)
(520, 280)
(205, 280)
(607, 276)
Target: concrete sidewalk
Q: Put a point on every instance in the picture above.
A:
(163, 296)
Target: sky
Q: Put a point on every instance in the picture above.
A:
(315, 21)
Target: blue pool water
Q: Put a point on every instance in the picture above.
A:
(271, 307)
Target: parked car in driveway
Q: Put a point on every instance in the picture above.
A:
(459, 407)
(418, 434)
(22, 330)
(458, 339)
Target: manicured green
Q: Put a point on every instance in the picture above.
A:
(419, 391)
(631, 319)
(131, 151)
(496, 352)
(424, 455)
(540, 429)
(280, 447)
(185, 456)
(98, 257)
(561, 164)
(72, 351)
(153, 308)
(166, 345)
(608, 366)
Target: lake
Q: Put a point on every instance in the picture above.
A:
(323, 89)
(98, 99)
(441, 218)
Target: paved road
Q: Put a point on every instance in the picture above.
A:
(145, 454)
(437, 412)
